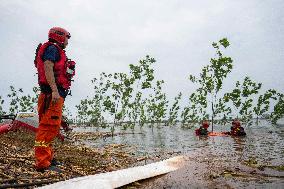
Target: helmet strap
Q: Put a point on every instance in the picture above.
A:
(59, 44)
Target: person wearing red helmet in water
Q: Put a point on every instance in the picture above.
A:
(237, 129)
(55, 72)
(202, 130)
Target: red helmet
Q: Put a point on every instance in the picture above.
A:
(205, 124)
(58, 34)
(236, 122)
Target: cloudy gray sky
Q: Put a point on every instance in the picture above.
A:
(107, 35)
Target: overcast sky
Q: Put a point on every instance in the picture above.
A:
(108, 35)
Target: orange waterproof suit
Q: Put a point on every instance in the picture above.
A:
(50, 115)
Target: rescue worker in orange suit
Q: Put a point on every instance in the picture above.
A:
(237, 129)
(203, 129)
(55, 72)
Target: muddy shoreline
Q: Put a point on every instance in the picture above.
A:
(211, 167)
(199, 171)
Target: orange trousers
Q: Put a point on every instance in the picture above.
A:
(50, 115)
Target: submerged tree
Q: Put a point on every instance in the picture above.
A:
(211, 79)
(242, 99)
(223, 110)
(29, 103)
(82, 112)
(127, 92)
(195, 112)
(278, 110)
(119, 96)
(14, 99)
(263, 103)
(174, 111)
(20, 102)
(136, 107)
(67, 115)
(144, 77)
(91, 110)
(122, 88)
(156, 105)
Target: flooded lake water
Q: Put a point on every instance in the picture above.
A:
(253, 161)
(263, 140)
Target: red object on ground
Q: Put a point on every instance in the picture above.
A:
(14, 125)
(19, 124)
(5, 128)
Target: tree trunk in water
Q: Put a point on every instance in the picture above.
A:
(212, 118)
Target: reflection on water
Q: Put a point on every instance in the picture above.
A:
(264, 142)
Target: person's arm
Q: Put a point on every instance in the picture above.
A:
(49, 74)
